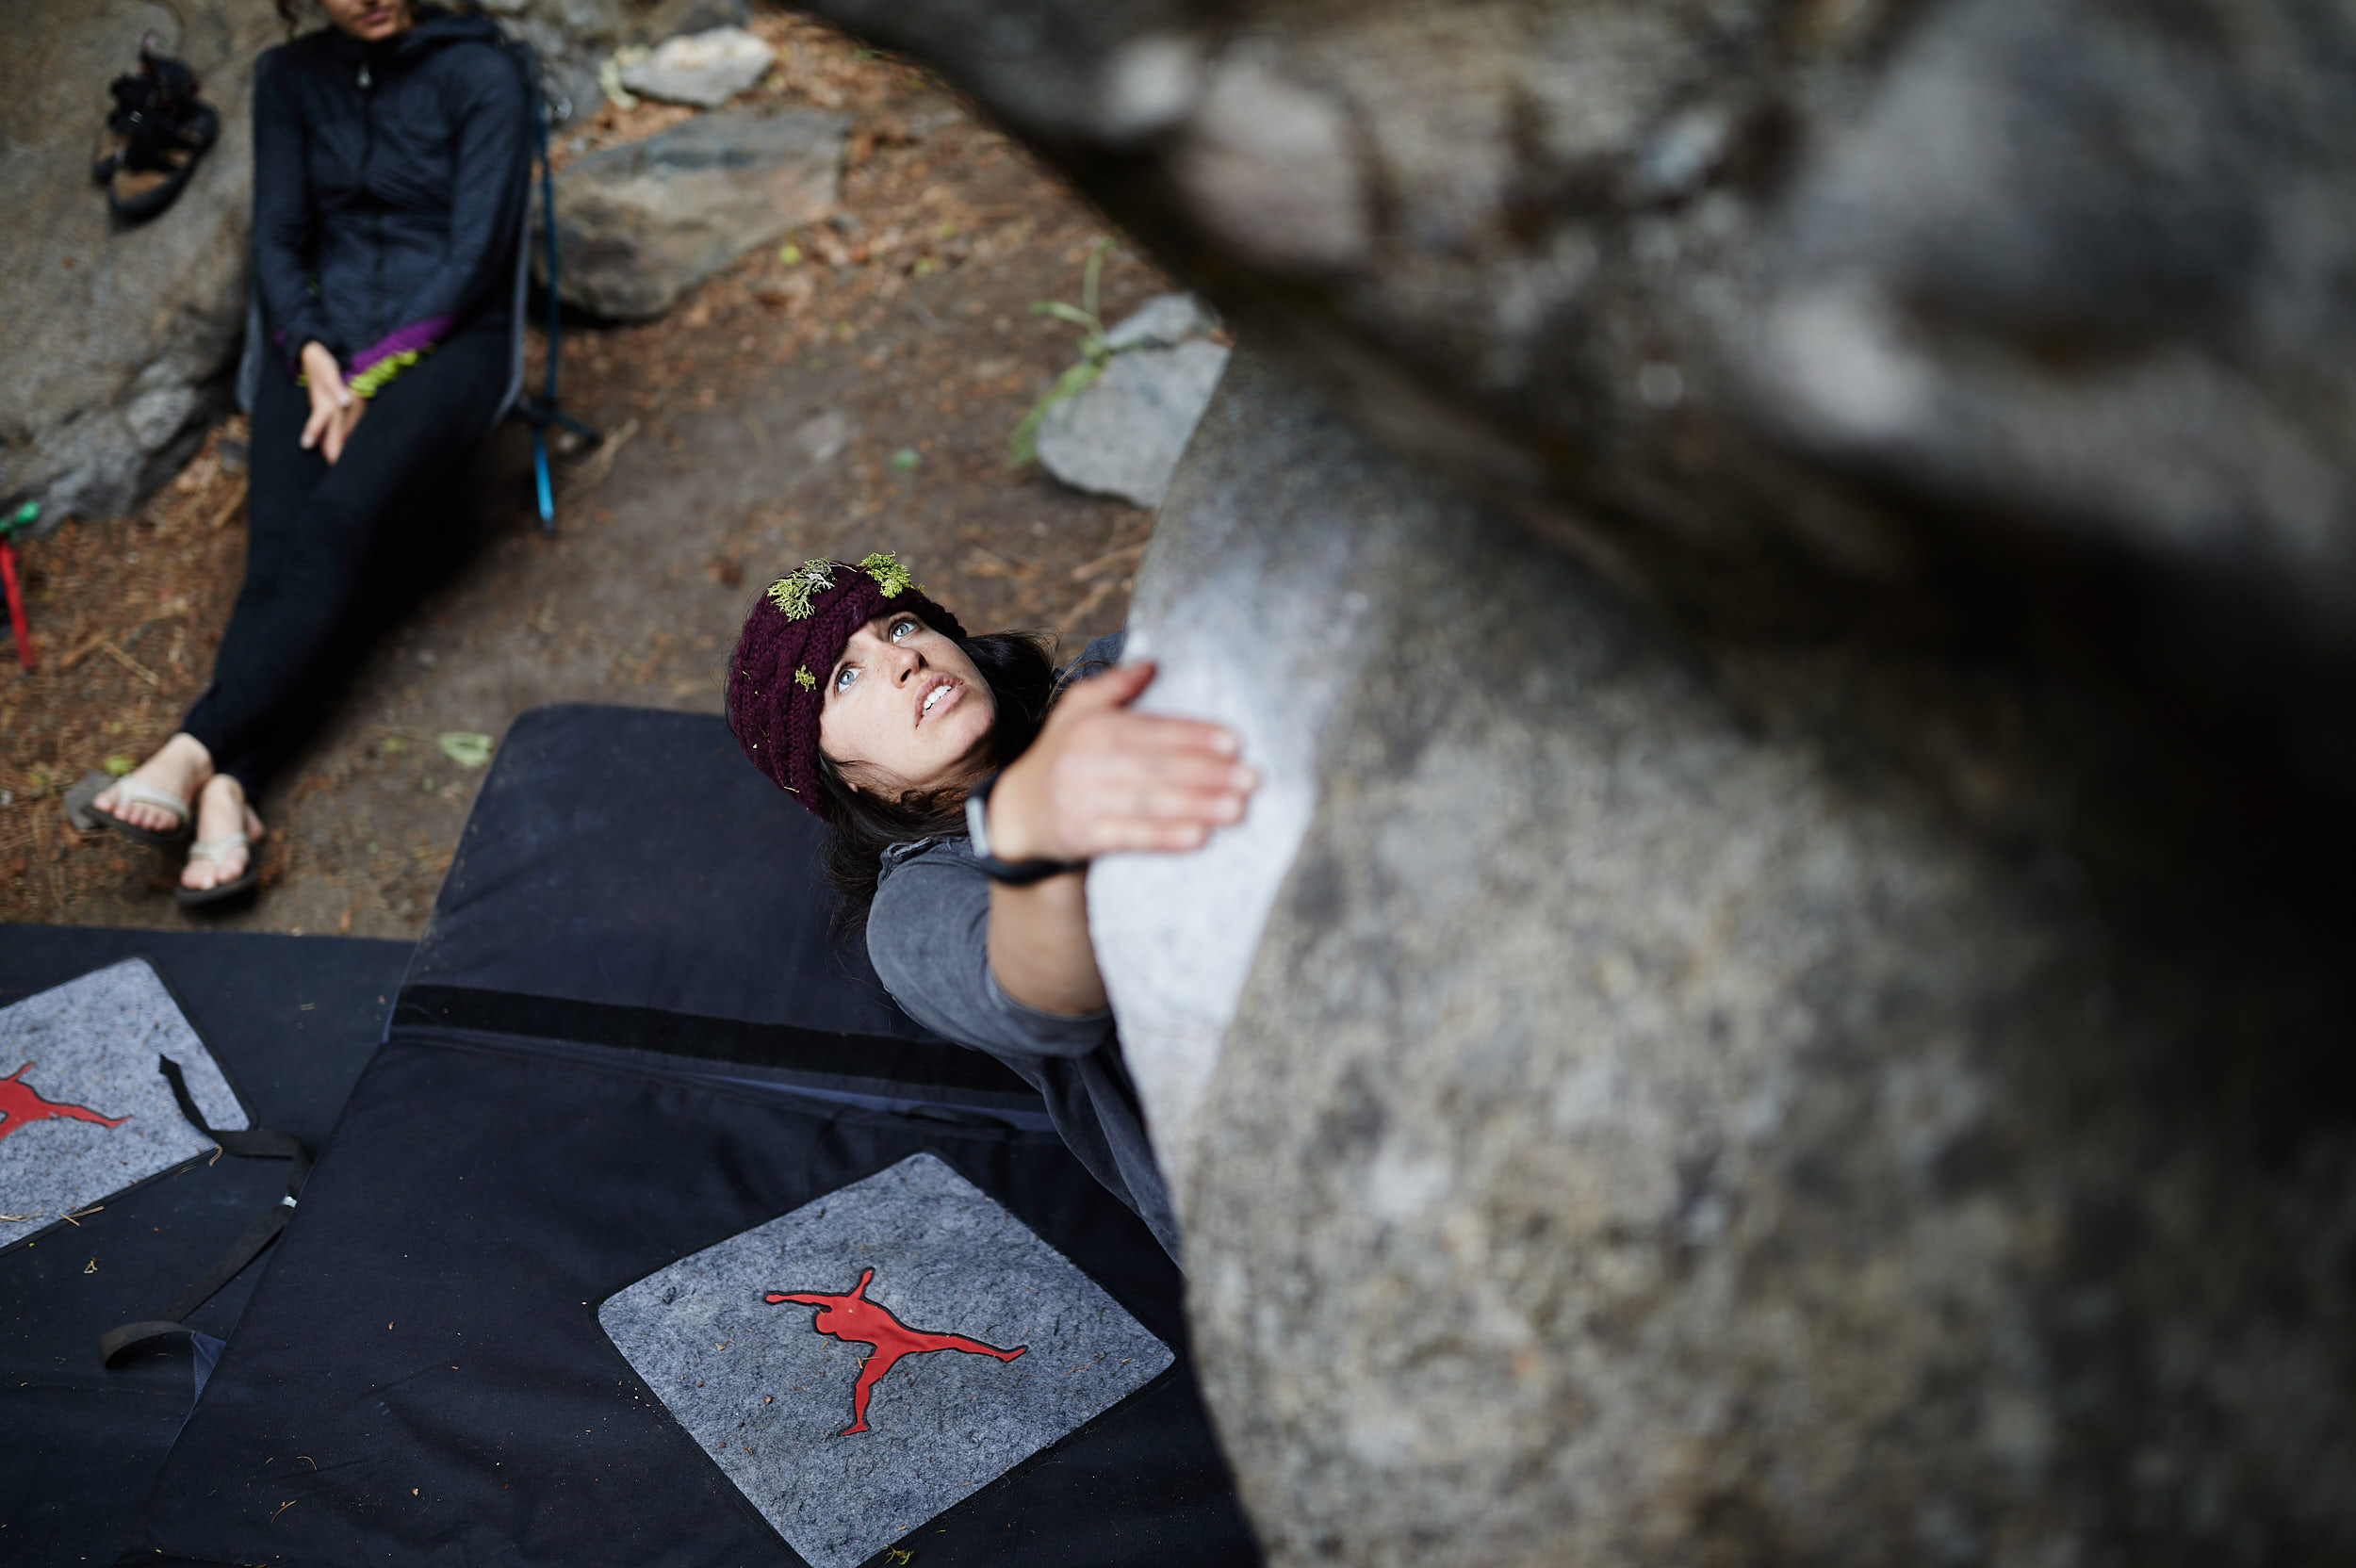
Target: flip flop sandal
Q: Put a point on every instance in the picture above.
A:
(212, 850)
(82, 810)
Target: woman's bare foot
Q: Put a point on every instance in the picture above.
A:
(222, 812)
(181, 767)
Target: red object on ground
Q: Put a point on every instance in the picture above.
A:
(855, 1319)
(16, 605)
(20, 1103)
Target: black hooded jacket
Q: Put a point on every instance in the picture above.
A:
(389, 186)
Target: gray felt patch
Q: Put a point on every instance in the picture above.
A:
(769, 1395)
(87, 1113)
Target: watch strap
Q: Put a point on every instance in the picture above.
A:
(1014, 874)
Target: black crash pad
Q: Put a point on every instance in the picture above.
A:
(629, 1035)
(292, 1019)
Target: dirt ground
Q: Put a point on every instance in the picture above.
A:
(858, 395)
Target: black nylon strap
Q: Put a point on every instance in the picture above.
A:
(1014, 874)
(256, 1143)
(116, 1345)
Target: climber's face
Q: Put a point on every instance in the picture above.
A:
(905, 708)
(370, 20)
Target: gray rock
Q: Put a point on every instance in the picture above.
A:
(1655, 1131)
(1162, 321)
(1768, 316)
(587, 27)
(1123, 434)
(1795, 1028)
(114, 342)
(574, 37)
(705, 69)
(671, 18)
(1252, 538)
(639, 225)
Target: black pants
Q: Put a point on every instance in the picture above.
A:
(332, 553)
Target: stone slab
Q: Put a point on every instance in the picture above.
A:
(87, 1049)
(1123, 435)
(768, 1397)
(639, 225)
(1163, 321)
(705, 69)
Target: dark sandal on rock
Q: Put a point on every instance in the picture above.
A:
(83, 811)
(154, 137)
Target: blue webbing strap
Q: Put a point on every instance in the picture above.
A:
(542, 412)
(547, 229)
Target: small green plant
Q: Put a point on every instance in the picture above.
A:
(1094, 355)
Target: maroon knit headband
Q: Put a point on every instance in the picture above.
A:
(777, 675)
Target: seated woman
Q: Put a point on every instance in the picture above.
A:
(967, 785)
(391, 153)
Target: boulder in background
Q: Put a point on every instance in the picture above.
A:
(573, 37)
(640, 224)
(705, 69)
(116, 343)
(1122, 435)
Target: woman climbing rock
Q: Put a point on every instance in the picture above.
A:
(967, 783)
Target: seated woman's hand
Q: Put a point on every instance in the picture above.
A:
(334, 412)
(1102, 778)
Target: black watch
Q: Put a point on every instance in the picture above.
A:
(1014, 874)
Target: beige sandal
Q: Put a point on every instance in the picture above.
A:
(212, 851)
(82, 810)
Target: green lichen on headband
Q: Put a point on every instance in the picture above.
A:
(806, 680)
(889, 574)
(792, 592)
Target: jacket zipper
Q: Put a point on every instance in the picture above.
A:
(368, 157)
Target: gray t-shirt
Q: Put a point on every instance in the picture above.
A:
(929, 933)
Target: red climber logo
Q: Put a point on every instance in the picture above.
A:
(857, 1320)
(20, 1105)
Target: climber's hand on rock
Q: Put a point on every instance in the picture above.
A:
(334, 412)
(1102, 778)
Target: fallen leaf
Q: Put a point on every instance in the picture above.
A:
(469, 748)
(118, 765)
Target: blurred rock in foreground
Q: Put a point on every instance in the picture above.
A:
(1616, 1120)
(1793, 570)
(1801, 319)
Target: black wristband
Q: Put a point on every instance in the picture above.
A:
(1014, 874)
